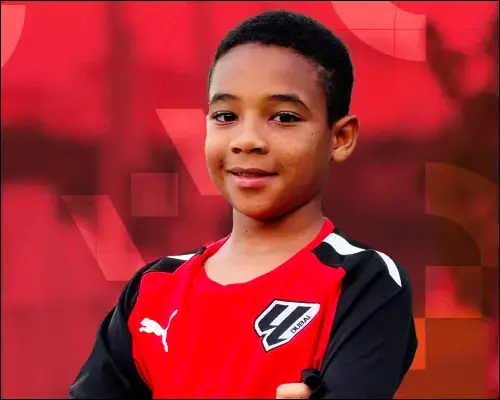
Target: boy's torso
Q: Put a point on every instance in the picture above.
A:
(195, 338)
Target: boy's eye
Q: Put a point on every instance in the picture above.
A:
(224, 117)
(285, 118)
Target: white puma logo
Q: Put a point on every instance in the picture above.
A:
(150, 326)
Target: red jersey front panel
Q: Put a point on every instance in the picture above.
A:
(195, 338)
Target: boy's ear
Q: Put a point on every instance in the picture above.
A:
(345, 136)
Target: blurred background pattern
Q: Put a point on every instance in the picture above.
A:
(102, 169)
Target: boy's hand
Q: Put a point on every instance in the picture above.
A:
(293, 391)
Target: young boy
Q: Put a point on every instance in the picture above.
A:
(286, 298)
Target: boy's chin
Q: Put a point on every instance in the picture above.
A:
(259, 212)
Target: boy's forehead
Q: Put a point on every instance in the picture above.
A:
(253, 68)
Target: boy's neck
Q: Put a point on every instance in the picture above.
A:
(298, 226)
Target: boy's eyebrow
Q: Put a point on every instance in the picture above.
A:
(277, 97)
(287, 98)
(221, 97)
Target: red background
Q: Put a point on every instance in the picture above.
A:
(102, 169)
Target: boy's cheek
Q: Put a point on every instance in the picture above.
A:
(214, 158)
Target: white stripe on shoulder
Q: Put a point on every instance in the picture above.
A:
(183, 257)
(344, 248)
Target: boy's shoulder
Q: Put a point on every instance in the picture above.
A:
(358, 259)
(166, 265)
(169, 264)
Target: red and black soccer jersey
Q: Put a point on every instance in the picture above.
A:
(336, 315)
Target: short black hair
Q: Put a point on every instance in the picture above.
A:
(307, 37)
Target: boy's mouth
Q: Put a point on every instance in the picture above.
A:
(250, 177)
(250, 172)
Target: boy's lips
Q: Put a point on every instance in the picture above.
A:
(250, 177)
(250, 172)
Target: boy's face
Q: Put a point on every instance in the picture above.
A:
(268, 145)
